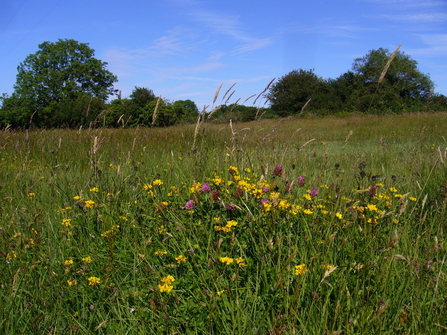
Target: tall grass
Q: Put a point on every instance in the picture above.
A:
(310, 226)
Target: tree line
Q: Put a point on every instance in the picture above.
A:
(64, 85)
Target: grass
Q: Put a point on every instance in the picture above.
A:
(308, 226)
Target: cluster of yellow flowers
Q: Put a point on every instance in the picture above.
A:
(165, 284)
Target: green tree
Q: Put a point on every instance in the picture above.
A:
(291, 92)
(185, 111)
(141, 96)
(61, 71)
(403, 86)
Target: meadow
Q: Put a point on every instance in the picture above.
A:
(291, 226)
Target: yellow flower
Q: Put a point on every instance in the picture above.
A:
(89, 203)
(11, 255)
(240, 261)
(94, 189)
(165, 288)
(372, 208)
(157, 182)
(72, 282)
(68, 262)
(31, 194)
(181, 259)
(327, 266)
(307, 211)
(393, 190)
(92, 281)
(300, 269)
(66, 222)
(339, 215)
(76, 197)
(412, 198)
(226, 260)
(87, 259)
(160, 253)
(147, 187)
(165, 284)
(231, 223)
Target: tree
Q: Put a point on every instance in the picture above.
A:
(291, 92)
(61, 71)
(142, 95)
(403, 85)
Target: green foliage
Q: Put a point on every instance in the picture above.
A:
(291, 92)
(403, 88)
(59, 75)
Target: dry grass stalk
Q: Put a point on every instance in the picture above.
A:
(228, 91)
(440, 154)
(305, 105)
(304, 145)
(217, 93)
(385, 69)
(196, 131)
(251, 96)
(96, 144)
(154, 116)
(88, 107)
(265, 90)
(233, 137)
(212, 112)
(226, 101)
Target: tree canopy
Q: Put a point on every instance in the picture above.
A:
(403, 87)
(61, 70)
(57, 75)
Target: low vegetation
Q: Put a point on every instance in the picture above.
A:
(290, 226)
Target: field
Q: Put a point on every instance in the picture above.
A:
(292, 226)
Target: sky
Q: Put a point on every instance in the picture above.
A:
(185, 49)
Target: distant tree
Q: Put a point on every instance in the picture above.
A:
(185, 111)
(142, 95)
(403, 85)
(291, 92)
(60, 71)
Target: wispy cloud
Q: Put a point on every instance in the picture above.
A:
(436, 45)
(417, 18)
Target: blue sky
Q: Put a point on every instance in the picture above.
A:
(184, 49)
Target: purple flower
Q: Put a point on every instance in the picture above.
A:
(313, 192)
(373, 190)
(278, 170)
(265, 189)
(189, 204)
(230, 206)
(301, 181)
(262, 202)
(206, 188)
(215, 196)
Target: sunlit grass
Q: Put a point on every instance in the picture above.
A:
(274, 227)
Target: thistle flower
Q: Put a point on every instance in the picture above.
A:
(206, 188)
(189, 205)
(230, 206)
(313, 192)
(278, 170)
(372, 190)
(301, 181)
(215, 195)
